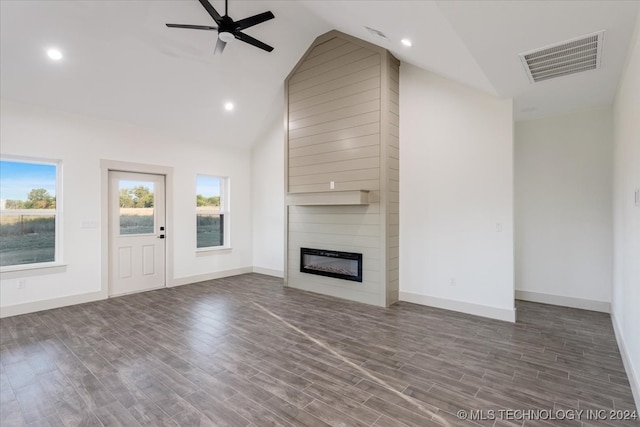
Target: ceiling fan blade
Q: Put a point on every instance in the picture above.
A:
(214, 14)
(219, 47)
(192, 27)
(254, 20)
(248, 39)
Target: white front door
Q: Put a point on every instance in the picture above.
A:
(136, 232)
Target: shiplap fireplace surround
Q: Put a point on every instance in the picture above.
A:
(342, 165)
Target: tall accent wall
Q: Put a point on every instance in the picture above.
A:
(342, 126)
(391, 182)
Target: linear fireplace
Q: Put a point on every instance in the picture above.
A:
(341, 265)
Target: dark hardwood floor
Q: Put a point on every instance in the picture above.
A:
(246, 351)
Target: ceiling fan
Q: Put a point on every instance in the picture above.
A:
(228, 29)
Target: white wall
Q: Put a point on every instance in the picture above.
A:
(563, 219)
(456, 186)
(80, 143)
(268, 200)
(626, 216)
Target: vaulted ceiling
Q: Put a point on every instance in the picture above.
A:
(121, 63)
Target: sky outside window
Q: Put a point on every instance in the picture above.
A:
(17, 179)
(208, 186)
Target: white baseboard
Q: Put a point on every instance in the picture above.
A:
(269, 272)
(209, 276)
(30, 307)
(584, 304)
(508, 315)
(632, 374)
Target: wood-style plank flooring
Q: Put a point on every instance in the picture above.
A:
(244, 351)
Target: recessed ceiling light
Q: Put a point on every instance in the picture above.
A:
(406, 42)
(54, 54)
(228, 106)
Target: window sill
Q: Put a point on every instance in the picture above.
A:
(213, 251)
(32, 270)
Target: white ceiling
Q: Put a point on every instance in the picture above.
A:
(121, 63)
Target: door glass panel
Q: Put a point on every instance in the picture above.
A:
(136, 207)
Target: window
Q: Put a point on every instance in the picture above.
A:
(212, 213)
(29, 213)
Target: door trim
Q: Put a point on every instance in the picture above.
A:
(107, 165)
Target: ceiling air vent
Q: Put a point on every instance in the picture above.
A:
(376, 33)
(569, 57)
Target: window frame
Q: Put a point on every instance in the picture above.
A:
(57, 213)
(224, 210)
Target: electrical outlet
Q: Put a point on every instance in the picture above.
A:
(498, 227)
(452, 282)
(22, 283)
(332, 185)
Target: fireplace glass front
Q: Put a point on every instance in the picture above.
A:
(340, 265)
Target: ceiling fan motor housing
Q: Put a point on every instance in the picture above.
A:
(226, 36)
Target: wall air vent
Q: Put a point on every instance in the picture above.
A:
(569, 57)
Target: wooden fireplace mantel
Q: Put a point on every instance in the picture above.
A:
(329, 198)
